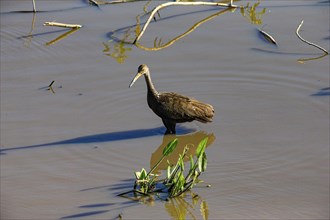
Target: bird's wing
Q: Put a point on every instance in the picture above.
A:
(182, 108)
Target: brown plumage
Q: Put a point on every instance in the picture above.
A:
(171, 107)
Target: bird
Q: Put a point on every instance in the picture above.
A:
(172, 107)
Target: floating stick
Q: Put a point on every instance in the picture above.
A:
(267, 36)
(94, 3)
(57, 24)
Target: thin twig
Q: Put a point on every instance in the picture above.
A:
(57, 24)
(267, 36)
(307, 42)
(156, 9)
(50, 87)
(34, 6)
(94, 3)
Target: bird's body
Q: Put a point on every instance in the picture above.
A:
(172, 107)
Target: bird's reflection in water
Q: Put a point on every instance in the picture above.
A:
(191, 140)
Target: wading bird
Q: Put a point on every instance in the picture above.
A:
(171, 107)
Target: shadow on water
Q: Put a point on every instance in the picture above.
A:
(112, 207)
(85, 214)
(322, 92)
(104, 137)
(83, 5)
(41, 11)
(281, 52)
(40, 34)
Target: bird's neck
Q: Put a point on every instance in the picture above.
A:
(150, 85)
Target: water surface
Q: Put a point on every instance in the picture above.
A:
(68, 153)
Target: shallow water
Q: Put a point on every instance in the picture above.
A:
(69, 153)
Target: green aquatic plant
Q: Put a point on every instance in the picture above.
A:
(178, 180)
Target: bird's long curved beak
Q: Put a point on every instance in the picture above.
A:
(135, 78)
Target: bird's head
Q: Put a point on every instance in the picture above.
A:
(142, 70)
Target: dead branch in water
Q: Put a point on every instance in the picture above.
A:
(34, 6)
(57, 24)
(161, 6)
(267, 36)
(195, 26)
(104, 2)
(50, 87)
(307, 42)
(94, 3)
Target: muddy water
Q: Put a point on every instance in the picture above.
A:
(67, 153)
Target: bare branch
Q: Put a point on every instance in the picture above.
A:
(195, 26)
(34, 6)
(307, 42)
(156, 9)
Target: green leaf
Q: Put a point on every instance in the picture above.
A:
(143, 174)
(178, 186)
(168, 172)
(137, 175)
(191, 161)
(170, 147)
(202, 162)
(195, 176)
(181, 163)
(167, 151)
(201, 147)
(181, 181)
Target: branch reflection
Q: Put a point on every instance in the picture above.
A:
(303, 60)
(118, 51)
(61, 37)
(29, 36)
(251, 13)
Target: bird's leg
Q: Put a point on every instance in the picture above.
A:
(170, 126)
